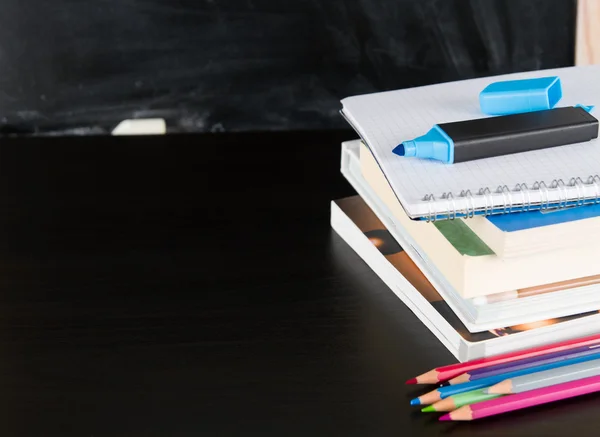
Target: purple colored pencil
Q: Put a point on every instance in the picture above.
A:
(526, 363)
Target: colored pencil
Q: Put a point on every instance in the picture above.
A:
(451, 390)
(428, 398)
(457, 401)
(529, 362)
(546, 378)
(448, 372)
(526, 399)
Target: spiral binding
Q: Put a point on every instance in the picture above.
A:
(509, 204)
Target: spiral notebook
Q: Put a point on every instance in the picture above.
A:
(556, 177)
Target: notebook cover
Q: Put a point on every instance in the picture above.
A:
(535, 219)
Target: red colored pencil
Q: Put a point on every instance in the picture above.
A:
(445, 373)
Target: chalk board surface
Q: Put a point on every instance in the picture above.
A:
(236, 65)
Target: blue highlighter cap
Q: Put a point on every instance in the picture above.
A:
(524, 95)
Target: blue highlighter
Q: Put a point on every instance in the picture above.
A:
(525, 120)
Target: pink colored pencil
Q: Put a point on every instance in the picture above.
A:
(440, 374)
(526, 399)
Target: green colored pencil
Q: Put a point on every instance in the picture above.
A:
(453, 402)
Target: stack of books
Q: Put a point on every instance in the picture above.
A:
(493, 255)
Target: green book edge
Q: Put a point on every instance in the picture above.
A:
(464, 240)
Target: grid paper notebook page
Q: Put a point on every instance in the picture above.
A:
(384, 120)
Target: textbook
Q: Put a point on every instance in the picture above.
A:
(430, 189)
(467, 263)
(526, 233)
(357, 224)
(563, 300)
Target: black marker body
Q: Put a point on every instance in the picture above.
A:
(503, 135)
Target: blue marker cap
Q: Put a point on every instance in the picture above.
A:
(516, 96)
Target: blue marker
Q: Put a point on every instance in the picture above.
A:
(495, 136)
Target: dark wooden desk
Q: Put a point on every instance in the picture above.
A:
(191, 285)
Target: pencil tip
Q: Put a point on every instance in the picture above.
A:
(428, 409)
(486, 391)
(415, 401)
(445, 418)
(412, 381)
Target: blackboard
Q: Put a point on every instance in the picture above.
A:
(235, 65)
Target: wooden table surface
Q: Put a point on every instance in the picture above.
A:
(192, 285)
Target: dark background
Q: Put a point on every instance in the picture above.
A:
(181, 285)
(236, 65)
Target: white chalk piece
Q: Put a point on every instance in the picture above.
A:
(145, 126)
